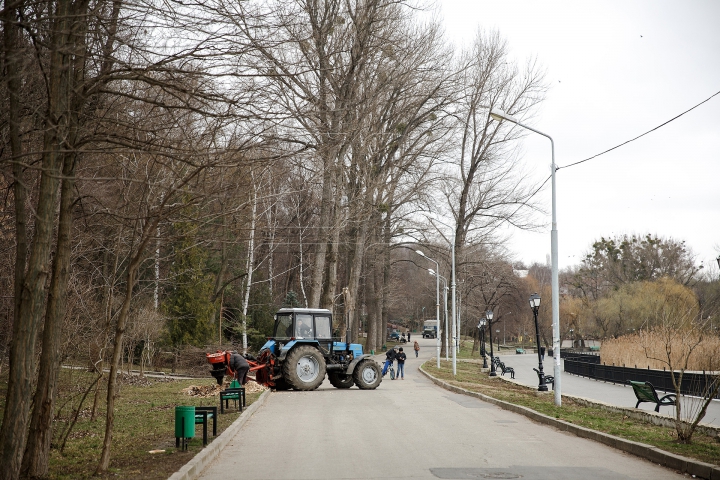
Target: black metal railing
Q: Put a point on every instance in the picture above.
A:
(692, 383)
(581, 357)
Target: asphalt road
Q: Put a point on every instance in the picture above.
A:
(620, 395)
(410, 429)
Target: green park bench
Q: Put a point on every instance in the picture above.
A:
(234, 392)
(519, 350)
(645, 392)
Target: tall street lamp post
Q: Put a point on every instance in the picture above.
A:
(499, 115)
(489, 316)
(535, 305)
(445, 290)
(481, 327)
(437, 304)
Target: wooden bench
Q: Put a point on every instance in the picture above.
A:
(235, 394)
(549, 379)
(645, 392)
(505, 370)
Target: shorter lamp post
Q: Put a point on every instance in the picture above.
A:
(572, 338)
(481, 327)
(535, 305)
(489, 316)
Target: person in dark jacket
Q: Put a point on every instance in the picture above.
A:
(542, 354)
(400, 357)
(240, 366)
(389, 359)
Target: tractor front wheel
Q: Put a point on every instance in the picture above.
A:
(340, 380)
(367, 375)
(304, 368)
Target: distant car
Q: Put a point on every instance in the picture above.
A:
(394, 336)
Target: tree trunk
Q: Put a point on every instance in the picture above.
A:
(331, 262)
(37, 454)
(117, 346)
(250, 267)
(371, 301)
(387, 238)
(21, 374)
(326, 206)
(114, 366)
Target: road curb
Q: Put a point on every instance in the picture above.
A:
(676, 462)
(193, 469)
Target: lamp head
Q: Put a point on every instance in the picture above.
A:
(489, 315)
(420, 253)
(534, 301)
(499, 115)
(482, 323)
(432, 272)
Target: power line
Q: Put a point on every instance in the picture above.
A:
(642, 135)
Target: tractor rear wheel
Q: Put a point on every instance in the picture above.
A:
(340, 380)
(304, 368)
(367, 375)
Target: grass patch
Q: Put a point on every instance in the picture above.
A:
(144, 421)
(470, 377)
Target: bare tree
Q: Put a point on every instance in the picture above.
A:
(489, 191)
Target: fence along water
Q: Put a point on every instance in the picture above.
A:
(589, 366)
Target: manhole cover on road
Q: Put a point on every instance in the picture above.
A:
(470, 473)
(504, 475)
(536, 472)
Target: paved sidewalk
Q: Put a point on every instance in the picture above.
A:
(614, 394)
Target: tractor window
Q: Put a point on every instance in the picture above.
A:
(283, 326)
(322, 327)
(303, 325)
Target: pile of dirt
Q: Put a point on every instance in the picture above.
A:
(213, 390)
(252, 387)
(202, 391)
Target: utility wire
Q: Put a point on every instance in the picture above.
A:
(642, 135)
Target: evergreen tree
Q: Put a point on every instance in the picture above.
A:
(188, 306)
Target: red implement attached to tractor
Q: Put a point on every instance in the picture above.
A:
(262, 366)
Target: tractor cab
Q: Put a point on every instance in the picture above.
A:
(303, 324)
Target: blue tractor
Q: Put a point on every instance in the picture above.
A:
(303, 350)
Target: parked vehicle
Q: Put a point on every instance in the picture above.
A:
(302, 351)
(430, 329)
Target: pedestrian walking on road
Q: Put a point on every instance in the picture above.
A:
(408, 335)
(416, 347)
(400, 357)
(542, 354)
(389, 359)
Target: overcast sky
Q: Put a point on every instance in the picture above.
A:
(617, 69)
